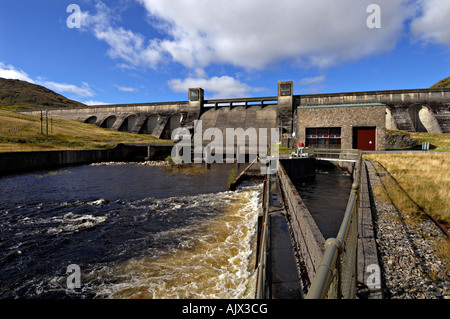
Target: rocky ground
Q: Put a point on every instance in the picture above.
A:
(409, 264)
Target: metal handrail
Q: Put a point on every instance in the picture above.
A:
(262, 257)
(319, 152)
(333, 246)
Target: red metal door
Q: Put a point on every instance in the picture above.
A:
(365, 138)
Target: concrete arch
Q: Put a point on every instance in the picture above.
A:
(149, 125)
(128, 123)
(390, 120)
(109, 121)
(415, 119)
(428, 120)
(91, 120)
(423, 119)
(173, 122)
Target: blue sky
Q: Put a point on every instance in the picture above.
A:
(137, 51)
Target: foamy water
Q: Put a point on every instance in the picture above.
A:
(216, 261)
(134, 232)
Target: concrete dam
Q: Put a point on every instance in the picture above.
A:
(417, 110)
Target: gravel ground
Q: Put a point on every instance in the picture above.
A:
(409, 265)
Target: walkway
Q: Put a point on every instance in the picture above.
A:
(368, 262)
(282, 272)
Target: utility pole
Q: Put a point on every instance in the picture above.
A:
(46, 122)
(41, 122)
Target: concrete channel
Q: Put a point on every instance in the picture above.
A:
(283, 273)
(295, 245)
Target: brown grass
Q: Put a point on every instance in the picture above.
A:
(23, 133)
(424, 177)
(418, 185)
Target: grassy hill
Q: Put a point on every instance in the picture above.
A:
(23, 133)
(444, 83)
(16, 94)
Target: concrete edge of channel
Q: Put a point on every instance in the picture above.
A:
(369, 270)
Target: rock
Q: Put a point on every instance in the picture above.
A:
(400, 140)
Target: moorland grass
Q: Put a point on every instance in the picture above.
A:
(24, 133)
(418, 184)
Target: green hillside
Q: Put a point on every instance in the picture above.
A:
(445, 83)
(16, 94)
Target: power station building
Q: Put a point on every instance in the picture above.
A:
(342, 126)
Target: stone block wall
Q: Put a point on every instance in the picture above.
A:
(345, 117)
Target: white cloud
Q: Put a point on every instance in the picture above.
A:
(123, 44)
(312, 80)
(130, 47)
(433, 23)
(220, 87)
(10, 72)
(84, 90)
(91, 103)
(312, 84)
(251, 34)
(126, 89)
(256, 33)
(101, 19)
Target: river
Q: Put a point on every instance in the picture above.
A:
(134, 231)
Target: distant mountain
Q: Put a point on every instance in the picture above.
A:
(445, 83)
(27, 95)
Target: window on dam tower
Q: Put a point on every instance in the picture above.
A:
(286, 89)
(194, 95)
